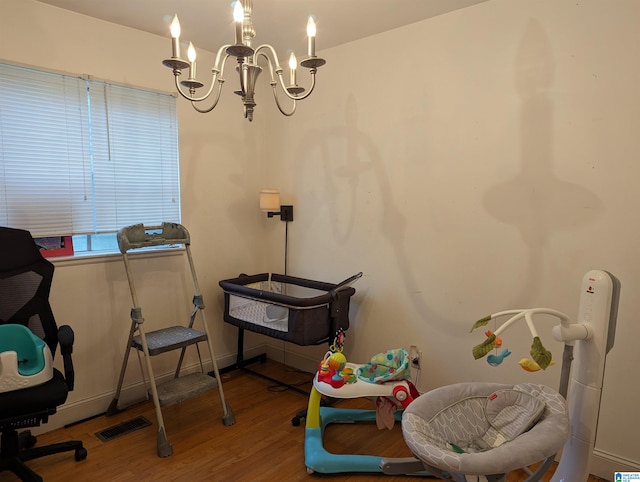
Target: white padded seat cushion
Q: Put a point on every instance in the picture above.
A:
(459, 414)
(509, 413)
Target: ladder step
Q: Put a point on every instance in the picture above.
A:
(168, 339)
(185, 387)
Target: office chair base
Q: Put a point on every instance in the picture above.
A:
(13, 458)
(18, 467)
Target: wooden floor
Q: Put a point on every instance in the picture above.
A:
(262, 445)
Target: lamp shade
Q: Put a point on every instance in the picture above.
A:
(270, 200)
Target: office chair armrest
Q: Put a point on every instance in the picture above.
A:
(66, 338)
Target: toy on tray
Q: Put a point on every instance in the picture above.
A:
(386, 366)
(332, 369)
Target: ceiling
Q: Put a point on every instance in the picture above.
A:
(281, 23)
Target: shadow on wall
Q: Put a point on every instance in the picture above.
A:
(216, 169)
(535, 201)
(342, 174)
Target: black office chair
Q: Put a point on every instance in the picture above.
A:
(25, 282)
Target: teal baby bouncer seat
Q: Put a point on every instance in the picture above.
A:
(25, 359)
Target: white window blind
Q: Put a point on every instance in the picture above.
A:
(80, 156)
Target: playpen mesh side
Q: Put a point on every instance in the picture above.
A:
(269, 315)
(255, 312)
(304, 312)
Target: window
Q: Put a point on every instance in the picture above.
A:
(83, 157)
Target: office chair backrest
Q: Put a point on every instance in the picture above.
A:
(25, 283)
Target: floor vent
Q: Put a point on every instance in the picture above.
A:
(123, 428)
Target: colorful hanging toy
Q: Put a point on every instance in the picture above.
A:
(332, 369)
(541, 358)
(496, 358)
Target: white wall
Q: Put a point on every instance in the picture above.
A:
(474, 162)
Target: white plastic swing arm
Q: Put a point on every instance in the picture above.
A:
(569, 332)
(527, 314)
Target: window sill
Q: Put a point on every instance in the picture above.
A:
(95, 258)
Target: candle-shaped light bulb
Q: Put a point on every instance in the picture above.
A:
(293, 63)
(311, 34)
(238, 18)
(175, 27)
(238, 11)
(175, 37)
(191, 54)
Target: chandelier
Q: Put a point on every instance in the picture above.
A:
(247, 58)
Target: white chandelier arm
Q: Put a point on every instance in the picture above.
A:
(275, 96)
(216, 71)
(274, 84)
(215, 101)
(279, 72)
(269, 61)
(199, 99)
(307, 93)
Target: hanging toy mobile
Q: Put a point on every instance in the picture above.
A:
(496, 358)
(541, 358)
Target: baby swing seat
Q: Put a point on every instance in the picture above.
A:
(485, 428)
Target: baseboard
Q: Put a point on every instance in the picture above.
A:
(605, 465)
(86, 408)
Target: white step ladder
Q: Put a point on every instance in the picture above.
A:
(163, 340)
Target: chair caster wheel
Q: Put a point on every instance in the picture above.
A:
(26, 440)
(295, 421)
(80, 454)
(30, 441)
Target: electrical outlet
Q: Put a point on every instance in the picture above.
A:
(414, 356)
(415, 363)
